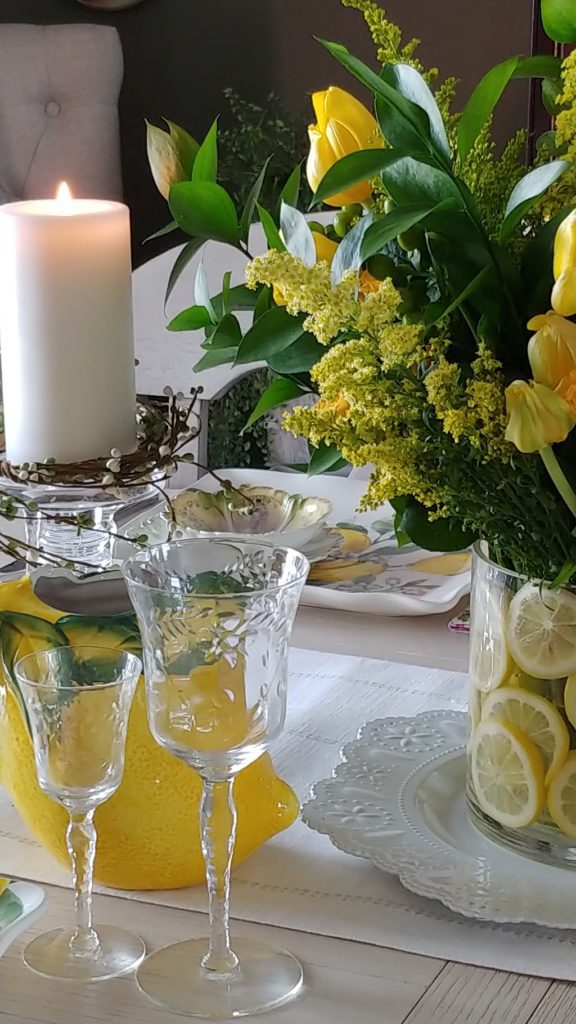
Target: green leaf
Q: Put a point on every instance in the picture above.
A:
(204, 210)
(301, 356)
(434, 316)
(409, 118)
(410, 182)
(191, 319)
(277, 393)
(202, 291)
(172, 226)
(270, 230)
(186, 146)
(206, 163)
(239, 297)
(297, 236)
(528, 189)
(559, 20)
(537, 259)
(182, 260)
(443, 534)
(393, 224)
(226, 291)
(366, 163)
(263, 302)
(489, 90)
(228, 333)
(215, 357)
(551, 92)
(290, 192)
(272, 332)
(412, 86)
(251, 201)
(348, 255)
(324, 459)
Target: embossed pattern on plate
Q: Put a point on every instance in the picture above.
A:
(397, 800)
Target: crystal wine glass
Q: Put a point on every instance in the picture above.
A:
(78, 701)
(215, 617)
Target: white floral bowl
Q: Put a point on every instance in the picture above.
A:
(262, 513)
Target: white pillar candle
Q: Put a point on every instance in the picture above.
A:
(66, 329)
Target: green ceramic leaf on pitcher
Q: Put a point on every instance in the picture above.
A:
(22, 634)
(119, 632)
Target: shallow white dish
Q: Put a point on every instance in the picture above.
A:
(369, 573)
(32, 898)
(398, 800)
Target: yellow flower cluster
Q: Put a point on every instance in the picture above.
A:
(475, 409)
(387, 36)
(387, 416)
(308, 290)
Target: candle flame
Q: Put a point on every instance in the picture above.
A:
(64, 195)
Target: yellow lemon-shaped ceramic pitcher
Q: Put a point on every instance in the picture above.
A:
(145, 840)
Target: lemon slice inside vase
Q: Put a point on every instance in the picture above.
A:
(508, 774)
(562, 797)
(541, 631)
(536, 718)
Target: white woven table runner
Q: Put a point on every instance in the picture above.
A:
(298, 880)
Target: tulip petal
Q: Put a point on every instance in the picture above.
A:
(538, 417)
(552, 350)
(341, 106)
(564, 293)
(325, 247)
(341, 139)
(319, 104)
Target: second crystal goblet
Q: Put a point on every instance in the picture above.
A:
(215, 619)
(78, 701)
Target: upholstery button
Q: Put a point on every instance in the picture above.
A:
(52, 108)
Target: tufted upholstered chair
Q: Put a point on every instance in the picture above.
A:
(59, 88)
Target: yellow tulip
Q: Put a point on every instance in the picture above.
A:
(325, 250)
(567, 388)
(325, 247)
(552, 349)
(537, 416)
(343, 126)
(564, 291)
(164, 158)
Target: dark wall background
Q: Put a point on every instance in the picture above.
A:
(180, 54)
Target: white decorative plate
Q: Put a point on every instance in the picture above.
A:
(369, 573)
(32, 897)
(398, 800)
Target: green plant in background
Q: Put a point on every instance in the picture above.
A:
(229, 444)
(257, 132)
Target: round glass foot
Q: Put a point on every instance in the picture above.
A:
(175, 979)
(52, 956)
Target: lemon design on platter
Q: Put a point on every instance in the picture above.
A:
(444, 565)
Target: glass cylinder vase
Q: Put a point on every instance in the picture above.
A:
(521, 759)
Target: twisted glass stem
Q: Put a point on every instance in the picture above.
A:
(218, 833)
(81, 843)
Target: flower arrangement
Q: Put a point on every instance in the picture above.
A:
(420, 318)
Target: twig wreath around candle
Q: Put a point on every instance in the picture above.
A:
(165, 427)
